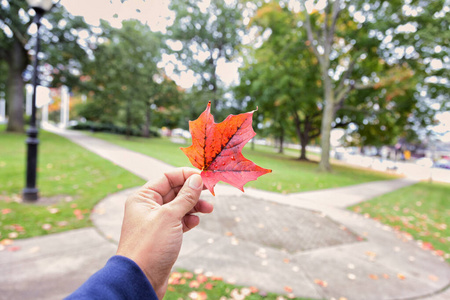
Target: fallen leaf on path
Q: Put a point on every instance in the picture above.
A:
(6, 242)
(373, 276)
(321, 282)
(13, 248)
(433, 277)
(288, 289)
(34, 249)
(216, 149)
(401, 276)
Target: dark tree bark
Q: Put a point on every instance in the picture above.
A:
(17, 62)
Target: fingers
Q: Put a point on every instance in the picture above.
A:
(188, 196)
(169, 185)
(189, 222)
(202, 207)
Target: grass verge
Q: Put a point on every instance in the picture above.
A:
(288, 175)
(71, 180)
(187, 285)
(421, 210)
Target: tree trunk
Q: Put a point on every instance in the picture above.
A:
(327, 119)
(280, 149)
(303, 143)
(146, 131)
(128, 120)
(15, 89)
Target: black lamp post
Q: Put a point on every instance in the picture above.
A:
(30, 192)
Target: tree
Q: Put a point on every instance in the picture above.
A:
(60, 44)
(346, 35)
(282, 77)
(208, 34)
(124, 78)
(382, 114)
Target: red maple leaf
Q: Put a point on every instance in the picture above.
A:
(216, 149)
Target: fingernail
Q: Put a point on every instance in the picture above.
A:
(195, 181)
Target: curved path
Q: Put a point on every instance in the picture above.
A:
(306, 241)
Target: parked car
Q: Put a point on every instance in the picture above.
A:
(442, 163)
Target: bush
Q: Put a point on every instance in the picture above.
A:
(112, 128)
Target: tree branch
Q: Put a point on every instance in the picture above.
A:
(335, 12)
(344, 77)
(311, 34)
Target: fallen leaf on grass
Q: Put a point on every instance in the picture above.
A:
(208, 286)
(216, 149)
(46, 226)
(78, 214)
(201, 278)
(427, 246)
(198, 295)
(13, 235)
(6, 211)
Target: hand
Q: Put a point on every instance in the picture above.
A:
(156, 217)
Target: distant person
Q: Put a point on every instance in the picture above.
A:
(156, 216)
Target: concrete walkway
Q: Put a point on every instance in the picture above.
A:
(306, 241)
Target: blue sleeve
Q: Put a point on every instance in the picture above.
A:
(120, 278)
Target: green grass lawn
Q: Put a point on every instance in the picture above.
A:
(422, 210)
(71, 180)
(288, 174)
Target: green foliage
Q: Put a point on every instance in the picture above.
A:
(208, 36)
(123, 79)
(282, 78)
(112, 128)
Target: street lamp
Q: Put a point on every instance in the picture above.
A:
(30, 192)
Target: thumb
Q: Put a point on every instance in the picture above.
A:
(188, 196)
